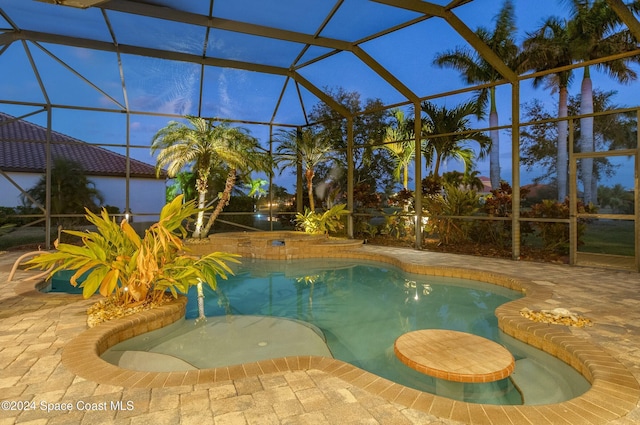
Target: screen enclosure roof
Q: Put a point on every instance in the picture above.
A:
(247, 60)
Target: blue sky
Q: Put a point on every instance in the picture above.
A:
(173, 87)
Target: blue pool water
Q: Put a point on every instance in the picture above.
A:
(361, 308)
(60, 283)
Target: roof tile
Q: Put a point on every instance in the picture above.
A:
(22, 149)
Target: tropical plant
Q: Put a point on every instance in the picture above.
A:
(455, 201)
(616, 197)
(476, 70)
(499, 203)
(305, 147)
(71, 190)
(367, 229)
(134, 270)
(364, 201)
(399, 225)
(469, 180)
(446, 130)
(555, 237)
(403, 198)
(431, 185)
(398, 142)
(184, 183)
(365, 197)
(205, 146)
(551, 47)
(255, 187)
(322, 223)
(595, 33)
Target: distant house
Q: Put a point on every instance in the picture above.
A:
(23, 161)
(486, 185)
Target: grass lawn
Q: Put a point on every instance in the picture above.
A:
(614, 237)
(23, 236)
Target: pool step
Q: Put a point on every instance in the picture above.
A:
(146, 361)
(535, 384)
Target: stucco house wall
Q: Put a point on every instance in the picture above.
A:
(146, 200)
(147, 196)
(22, 159)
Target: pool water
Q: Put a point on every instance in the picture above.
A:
(361, 308)
(59, 282)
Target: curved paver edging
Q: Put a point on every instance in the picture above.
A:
(614, 391)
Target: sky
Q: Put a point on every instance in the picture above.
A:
(173, 87)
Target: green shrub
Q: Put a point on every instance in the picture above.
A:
(325, 223)
(5, 213)
(403, 199)
(398, 225)
(454, 202)
(499, 203)
(555, 236)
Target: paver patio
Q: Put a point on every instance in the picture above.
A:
(34, 329)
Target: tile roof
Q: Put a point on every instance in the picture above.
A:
(22, 149)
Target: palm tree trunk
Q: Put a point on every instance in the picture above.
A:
(562, 152)
(224, 200)
(202, 186)
(586, 134)
(201, 315)
(436, 167)
(312, 203)
(405, 177)
(197, 233)
(494, 152)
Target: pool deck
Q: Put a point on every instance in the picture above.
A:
(35, 328)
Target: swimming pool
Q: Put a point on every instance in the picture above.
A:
(360, 308)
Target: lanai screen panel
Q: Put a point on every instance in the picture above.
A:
(256, 61)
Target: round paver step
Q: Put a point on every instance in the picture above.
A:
(454, 356)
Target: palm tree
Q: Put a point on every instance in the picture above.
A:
(71, 190)
(551, 47)
(594, 32)
(617, 197)
(255, 187)
(469, 180)
(304, 147)
(397, 141)
(183, 183)
(454, 125)
(476, 70)
(205, 146)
